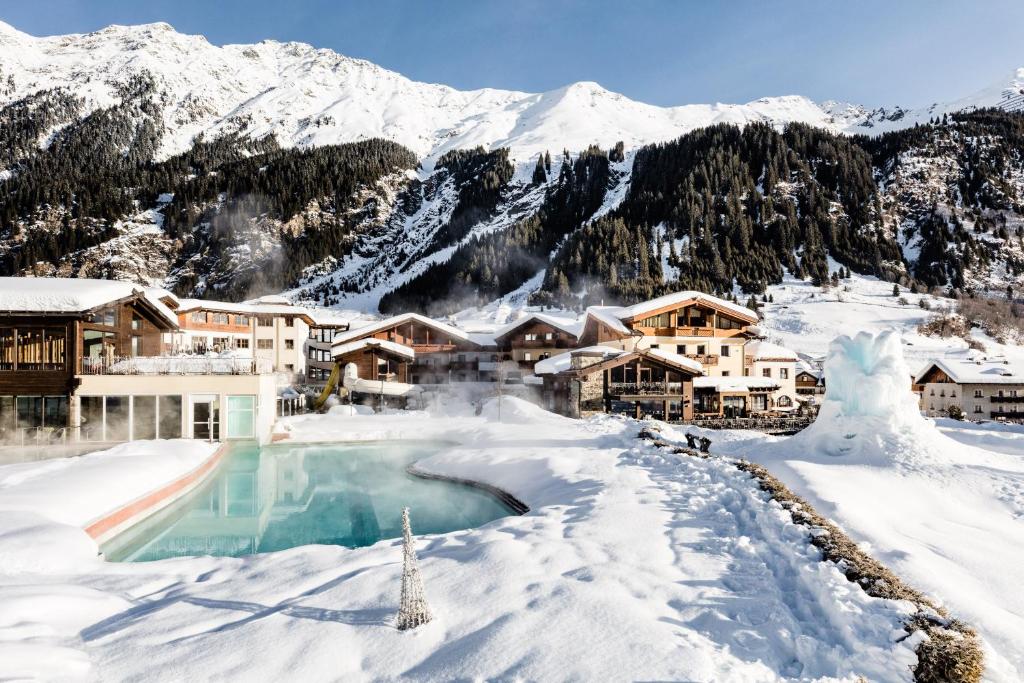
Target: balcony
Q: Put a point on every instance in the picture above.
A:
(1007, 415)
(645, 388)
(1005, 399)
(705, 359)
(695, 332)
(176, 365)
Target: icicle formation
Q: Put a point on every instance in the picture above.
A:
(413, 610)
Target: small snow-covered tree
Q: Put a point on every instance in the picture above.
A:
(413, 610)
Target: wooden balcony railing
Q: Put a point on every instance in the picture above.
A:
(1006, 399)
(704, 358)
(645, 388)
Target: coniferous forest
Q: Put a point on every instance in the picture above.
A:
(721, 209)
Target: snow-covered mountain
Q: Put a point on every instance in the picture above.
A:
(310, 96)
(277, 168)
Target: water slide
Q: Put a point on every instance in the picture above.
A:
(351, 381)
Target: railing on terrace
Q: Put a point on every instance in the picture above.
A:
(176, 365)
(761, 423)
(644, 388)
(704, 358)
(1004, 399)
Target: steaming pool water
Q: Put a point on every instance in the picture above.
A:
(277, 497)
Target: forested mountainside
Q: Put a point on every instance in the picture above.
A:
(935, 205)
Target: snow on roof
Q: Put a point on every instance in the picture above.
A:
(273, 299)
(377, 326)
(325, 317)
(607, 316)
(759, 350)
(71, 295)
(393, 347)
(643, 307)
(572, 326)
(186, 305)
(675, 359)
(563, 361)
(735, 383)
(979, 371)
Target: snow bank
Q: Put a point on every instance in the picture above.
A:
(32, 543)
(515, 411)
(349, 410)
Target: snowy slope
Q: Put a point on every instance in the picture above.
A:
(310, 96)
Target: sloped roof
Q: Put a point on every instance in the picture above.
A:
(377, 326)
(645, 307)
(393, 347)
(72, 295)
(674, 358)
(762, 350)
(573, 327)
(607, 316)
(563, 361)
(980, 371)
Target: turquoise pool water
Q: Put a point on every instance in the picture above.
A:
(278, 497)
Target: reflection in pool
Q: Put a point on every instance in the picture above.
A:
(280, 497)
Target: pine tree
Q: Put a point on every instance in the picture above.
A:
(895, 290)
(540, 176)
(413, 610)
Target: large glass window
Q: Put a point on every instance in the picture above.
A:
(6, 349)
(91, 415)
(117, 421)
(170, 417)
(30, 411)
(55, 411)
(144, 417)
(241, 417)
(8, 417)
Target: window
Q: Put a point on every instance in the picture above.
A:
(530, 337)
(136, 345)
(221, 318)
(241, 419)
(169, 417)
(33, 349)
(725, 351)
(288, 367)
(289, 321)
(241, 342)
(108, 317)
(7, 347)
(265, 321)
(242, 320)
(221, 343)
(783, 373)
(199, 316)
(661, 320)
(977, 393)
(701, 349)
(264, 344)
(526, 356)
(136, 322)
(728, 324)
(767, 372)
(116, 418)
(933, 392)
(144, 417)
(977, 408)
(942, 393)
(725, 373)
(952, 393)
(549, 336)
(289, 344)
(785, 402)
(312, 353)
(681, 349)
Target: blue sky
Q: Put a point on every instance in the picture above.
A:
(908, 52)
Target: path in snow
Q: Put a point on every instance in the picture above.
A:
(631, 564)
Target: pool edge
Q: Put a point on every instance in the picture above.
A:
(111, 525)
(518, 506)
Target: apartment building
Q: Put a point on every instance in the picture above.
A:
(84, 360)
(981, 388)
(323, 331)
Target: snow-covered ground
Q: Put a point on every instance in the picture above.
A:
(630, 565)
(943, 507)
